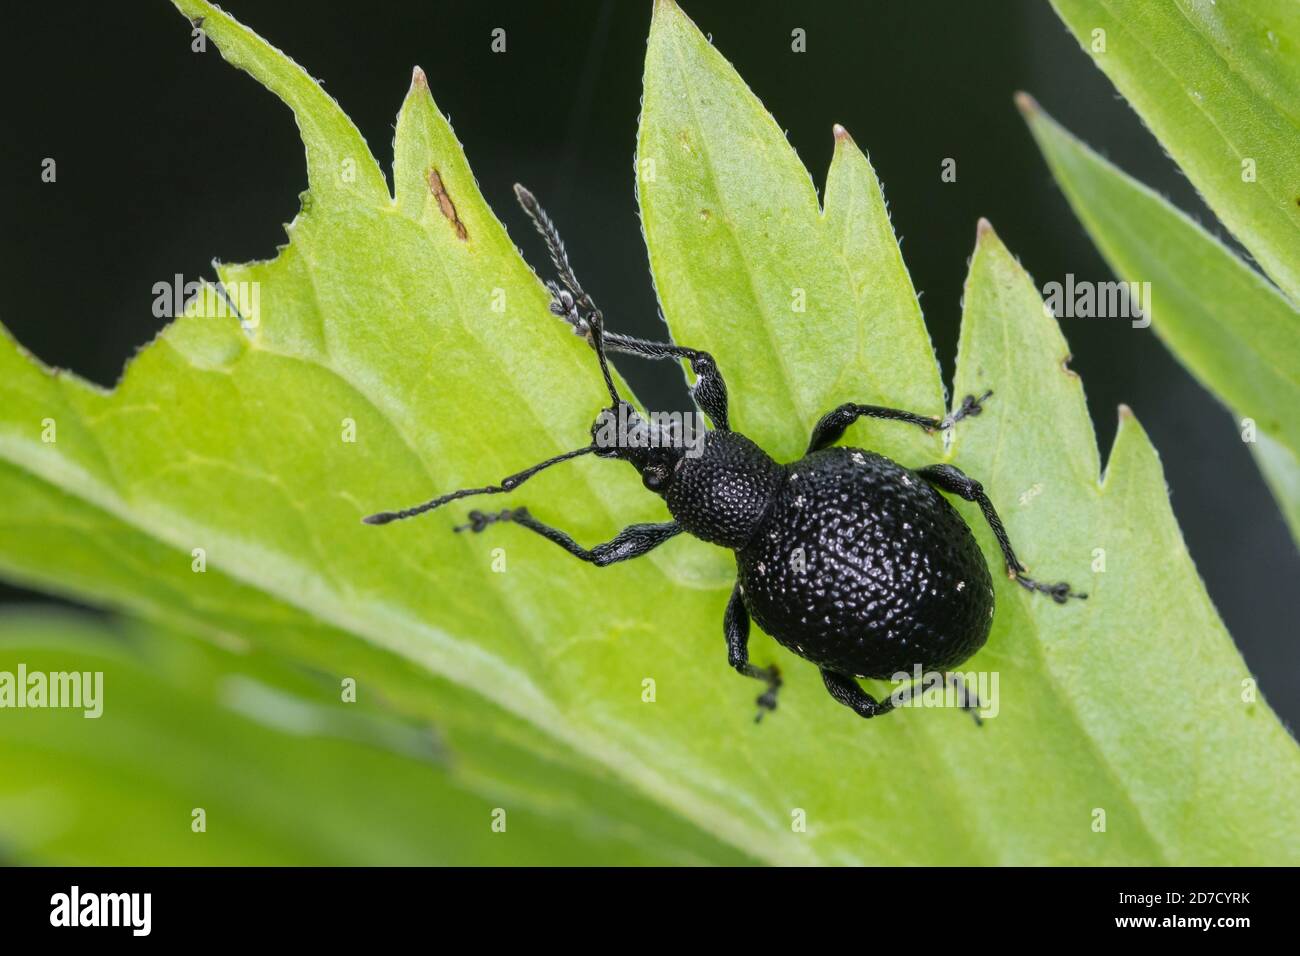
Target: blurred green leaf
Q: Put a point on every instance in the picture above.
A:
(285, 772)
(1281, 471)
(1234, 331)
(380, 311)
(1219, 85)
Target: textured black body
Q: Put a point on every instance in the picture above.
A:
(846, 558)
(862, 567)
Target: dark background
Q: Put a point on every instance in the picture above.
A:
(169, 158)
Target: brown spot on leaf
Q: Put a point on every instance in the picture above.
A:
(445, 204)
(1065, 366)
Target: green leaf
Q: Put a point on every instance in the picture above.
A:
(1232, 329)
(1281, 471)
(748, 266)
(284, 771)
(1079, 671)
(235, 444)
(1217, 84)
(380, 311)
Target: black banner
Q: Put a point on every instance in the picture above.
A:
(333, 906)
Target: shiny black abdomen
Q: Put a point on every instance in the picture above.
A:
(889, 575)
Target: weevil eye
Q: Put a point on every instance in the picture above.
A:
(655, 478)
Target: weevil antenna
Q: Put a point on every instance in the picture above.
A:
(507, 484)
(555, 246)
(581, 311)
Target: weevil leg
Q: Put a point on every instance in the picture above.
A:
(951, 479)
(970, 701)
(846, 690)
(632, 542)
(572, 303)
(832, 425)
(709, 391)
(735, 624)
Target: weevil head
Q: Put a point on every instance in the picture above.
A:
(653, 446)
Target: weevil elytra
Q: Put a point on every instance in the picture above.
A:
(846, 558)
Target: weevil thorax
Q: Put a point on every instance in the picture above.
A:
(721, 493)
(717, 484)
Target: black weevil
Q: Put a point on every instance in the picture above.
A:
(845, 557)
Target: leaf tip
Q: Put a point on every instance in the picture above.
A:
(841, 134)
(984, 231)
(1027, 105)
(662, 7)
(1133, 462)
(418, 80)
